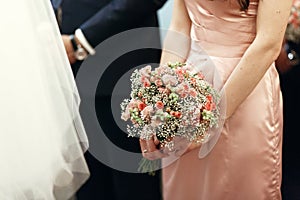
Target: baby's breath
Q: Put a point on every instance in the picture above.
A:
(171, 101)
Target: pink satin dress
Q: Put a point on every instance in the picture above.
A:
(245, 164)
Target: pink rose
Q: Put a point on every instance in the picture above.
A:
(132, 104)
(161, 69)
(179, 71)
(169, 80)
(183, 94)
(193, 92)
(147, 111)
(145, 81)
(145, 71)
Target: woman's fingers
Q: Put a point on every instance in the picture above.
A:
(154, 155)
(156, 140)
(180, 147)
(151, 146)
(147, 146)
(143, 146)
(149, 149)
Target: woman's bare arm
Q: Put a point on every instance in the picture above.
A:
(272, 18)
(177, 42)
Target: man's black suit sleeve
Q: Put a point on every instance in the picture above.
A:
(116, 16)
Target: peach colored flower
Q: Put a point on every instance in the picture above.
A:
(164, 90)
(146, 84)
(208, 106)
(159, 105)
(193, 92)
(172, 113)
(186, 87)
(141, 105)
(209, 98)
(177, 114)
(193, 81)
(180, 74)
(158, 83)
(182, 90)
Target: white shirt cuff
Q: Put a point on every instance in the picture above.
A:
(80, 36)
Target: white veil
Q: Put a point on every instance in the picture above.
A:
(42, 139)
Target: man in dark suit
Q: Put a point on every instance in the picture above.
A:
(84, 24)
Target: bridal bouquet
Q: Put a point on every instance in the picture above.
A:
(170, 101)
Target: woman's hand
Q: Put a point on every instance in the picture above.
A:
(152, 150)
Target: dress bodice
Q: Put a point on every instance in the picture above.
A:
(220, 24)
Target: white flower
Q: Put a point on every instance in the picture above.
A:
(125, 115)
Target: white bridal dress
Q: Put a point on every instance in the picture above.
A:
(42, 139)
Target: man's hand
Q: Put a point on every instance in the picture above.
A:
(69, 48)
